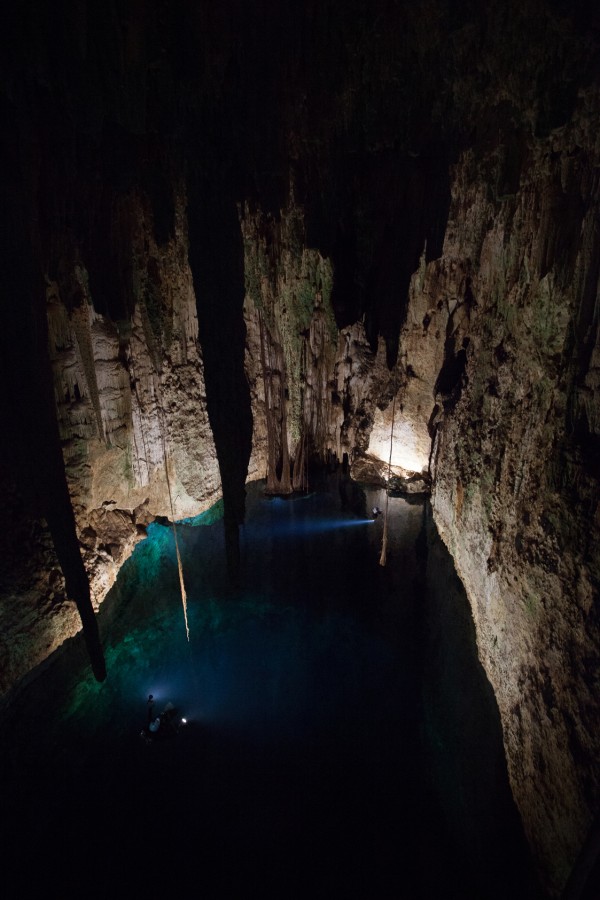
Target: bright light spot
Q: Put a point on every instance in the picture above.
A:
(316, 526)
(411, 442)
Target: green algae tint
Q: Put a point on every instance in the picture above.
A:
(336, 718)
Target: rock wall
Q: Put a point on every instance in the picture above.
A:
(496, 385)
(134, 430)
(332, 389)
(411, 194)
(515, 467)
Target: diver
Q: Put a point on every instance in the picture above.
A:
(154, 726)
(375, 512)
(166, 724)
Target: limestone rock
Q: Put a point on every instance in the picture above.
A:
(136, 439)
(513, 494)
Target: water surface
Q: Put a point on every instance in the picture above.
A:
(342, 739)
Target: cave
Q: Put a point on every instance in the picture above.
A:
(244, 242)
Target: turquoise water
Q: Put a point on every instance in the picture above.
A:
(342, 739)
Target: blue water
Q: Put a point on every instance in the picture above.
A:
(342, 739)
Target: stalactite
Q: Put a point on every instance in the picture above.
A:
(58, 510)
(272, 481)
(383, 557)
(277, 442)
(299, 479)
(216, 258)
(285, 484)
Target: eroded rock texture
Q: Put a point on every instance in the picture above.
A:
(498, 363)
(329, 393)
(130, 405)
(241, 238)
(515, 468)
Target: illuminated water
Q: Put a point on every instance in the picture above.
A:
(342, 738)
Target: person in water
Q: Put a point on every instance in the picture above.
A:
(376, 512)
(150, 708)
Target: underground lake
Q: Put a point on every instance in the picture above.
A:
(341, 736)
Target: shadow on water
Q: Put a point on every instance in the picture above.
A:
(342, 737)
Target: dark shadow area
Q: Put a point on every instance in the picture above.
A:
(341, 740)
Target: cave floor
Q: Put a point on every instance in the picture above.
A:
(342, 739)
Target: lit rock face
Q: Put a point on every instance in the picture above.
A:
(498, 352)
(291, 345)
(33, 614)
(436, 294)
(515, 466)
(328, 385)
(130, 400)
(130, 395)
(498, 362)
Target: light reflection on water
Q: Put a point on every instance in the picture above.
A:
(324, 731)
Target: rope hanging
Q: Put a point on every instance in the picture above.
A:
(179, 566)
(383, 557)
(147, 455)
(303, 457)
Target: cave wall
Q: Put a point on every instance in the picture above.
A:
(497, 374)
(503, 375)
(339, 393)
(130, 406)
(515, 477)
(236, 232)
